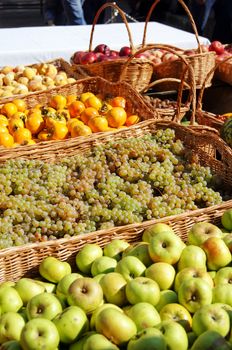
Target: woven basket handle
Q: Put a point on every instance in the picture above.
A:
(185, 7)
(122, 14)
(201, 92)
(188, 66)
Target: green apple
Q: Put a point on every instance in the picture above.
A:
(11, 325)
(86, 293)
(163, 273)
(154, 229)
(43, 305)
(48, 286)
(142, 289)
(98, 342)
(99, 309)
(165, 247)
(71, 323)
(178, 313)
(228, 309)
(78, 345)
(192, 272)
(28, 288)
(11, 345)
(223, 276)
(115, 248)
(211, 317)
(143, 314)
(223, 294)
(228, 241)
(218, 254)
(98, 278)
(191, 338)
(9, 300)
(174, 335)
(192, 256)
(53, 269)
(86, 256)
(201, 231)
(149, 338)
(226, 219)
(210, 340)
(194, 293)
(64, 284)
(103, 264)
(39, 334)
(114, 288)
(7, 284)
(140, 251)
(166, 297)
(130, 267)
(115, 326)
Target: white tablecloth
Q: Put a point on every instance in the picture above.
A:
(38, 44)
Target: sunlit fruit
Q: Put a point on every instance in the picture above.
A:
(72, 122)
(44, 135)
(9, 109)
(98, 124)
(94, 102)
(118, 101)
(58, 102)
(88, 113)
(59, 131)
(3, 128)
(6, 139)
(22, 136)
(85, 95)
(3, 120)
(76, 108)
(15, 124)
(80, 130)
(116, 117)
(132, 119)
(70, 99)
(34, 123)
(20, 104)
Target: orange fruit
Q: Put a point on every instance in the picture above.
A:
(63, 113)
(34, 111)
(73, 121)
(94, 102)
(9, 109)
(116, 117)
(31, 142)
(59, 131)
(44, 135)
(97, 124)
(85, 95)
(118, 101)
(3, 120)
(88, 113)
(20, 104)
(15, 124)
(76, 108)
(70, 99)
(58, 102)
(132, 119)
(6, 139)
(19, 115)
(3, 128)
(22, 136)
(34, 123)
(81, 130)
(105, 108)
(48, 111)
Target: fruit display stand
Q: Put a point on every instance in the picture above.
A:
(203, 146)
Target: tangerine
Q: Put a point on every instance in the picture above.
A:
(116, 117)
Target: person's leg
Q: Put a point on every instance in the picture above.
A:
(74, 12)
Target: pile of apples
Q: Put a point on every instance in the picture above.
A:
(222, 51)
(159, 293)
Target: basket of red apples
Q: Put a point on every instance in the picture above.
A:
(107, 63)
(224, 70)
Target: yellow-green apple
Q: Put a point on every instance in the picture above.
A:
(228, 309)
(53, 269)
(211, 317)
(192, 272)
(98, 342)
(39, 334)
(43, 305)
(71, 323)
(86, 256)
(9, 300)
(191, 338)
(78, 345)
(115, 248)
(149, 338)
(174, 335)
(86, 293)
(115, 325)
(226, 219)
(178, 313)
(140, 250)
(103, 264)
(99, 277)
(7, 284)
(48, 286)
(201, 231)
(130, 267)
(194, 293)
(99, 309)
(228, 241)
(165, 247)
(114, 288)
(223, 294)
(11, 345)
(64, 284)
(192, 256)
(218, 254)
(154, 229)
(163, 273)
(143, 314)
(166, 297)
(11, 325)
(28, 288)
(223, 276)
(142, 289)
(210, 340)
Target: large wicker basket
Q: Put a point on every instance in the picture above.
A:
(201, 62)
(24, 260)
(224, 71)
(138, 73)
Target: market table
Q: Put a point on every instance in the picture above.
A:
(38, 44)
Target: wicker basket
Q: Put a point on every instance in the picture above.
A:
(24, 260)
(201, 62)
(138, 73)
(224, 72)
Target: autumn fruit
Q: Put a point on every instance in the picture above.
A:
(116, 117)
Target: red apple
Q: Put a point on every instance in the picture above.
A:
(77, 56)
(189, 52)
(114, 53)
(102, 48)
(217, 46)
(89, 57)
(125, 51)
(99, 56)
(141, 55)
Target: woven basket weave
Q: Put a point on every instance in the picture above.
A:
(24, 260)
(138, 73)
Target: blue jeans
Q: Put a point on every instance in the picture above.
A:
(74, 12)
